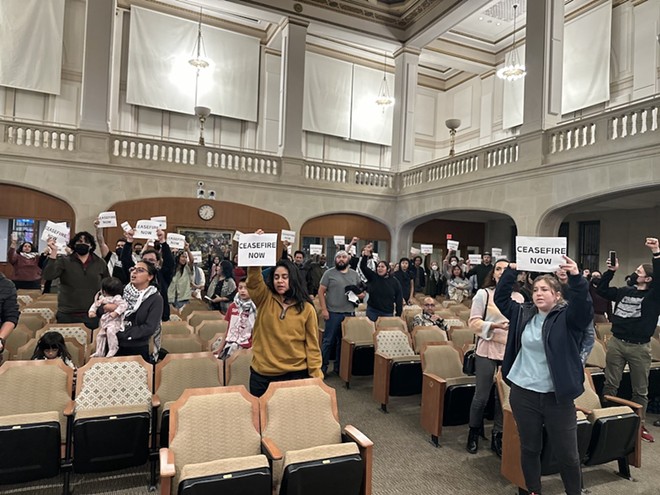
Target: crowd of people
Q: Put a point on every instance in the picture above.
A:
(536, 328)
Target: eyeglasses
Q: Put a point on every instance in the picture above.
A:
(138, 269)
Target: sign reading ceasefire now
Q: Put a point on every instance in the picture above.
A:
(540, 254)
(257, 250)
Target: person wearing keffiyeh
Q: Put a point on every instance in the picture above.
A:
(240, 317)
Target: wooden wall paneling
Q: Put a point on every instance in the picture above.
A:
(345, 224)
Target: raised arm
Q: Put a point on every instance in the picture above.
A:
(507, 306)
(54, 267)
(100, 240)
(580, 310)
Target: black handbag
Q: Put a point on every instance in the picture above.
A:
(470, 357)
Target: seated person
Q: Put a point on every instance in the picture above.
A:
(51, 346)
(428, 317)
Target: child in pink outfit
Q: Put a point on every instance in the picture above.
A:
(111, 322)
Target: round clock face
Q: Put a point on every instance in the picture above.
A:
(206, 212)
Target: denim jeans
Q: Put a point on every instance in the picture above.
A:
(332, 340)
(373, 314)
(484, 372)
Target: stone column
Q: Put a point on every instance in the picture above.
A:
(97, 72)
(292, 84)
(406, 62)
(544, 61)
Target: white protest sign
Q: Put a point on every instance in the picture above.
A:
(475, 259)
(496, 252)
(375, 255)
(107, 219)
(340, 240)
(126, 226)
(288, 235)
(197, 256)
(58, 231)
(176, 241)
(257, 250)
(161, 221)
(540, 254)
(453, 245)
(145, 229)
(426, 248)
(414, 251)
(315, 249)
(237, 236)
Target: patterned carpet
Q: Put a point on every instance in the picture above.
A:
(405, 462)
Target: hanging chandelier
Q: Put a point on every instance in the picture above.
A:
(198, 59)
(384, 99)
(513, 69)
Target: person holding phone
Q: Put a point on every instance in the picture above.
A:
(543, 366)
(634, 318)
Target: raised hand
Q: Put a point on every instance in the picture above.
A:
(570, 266)
(653, 244)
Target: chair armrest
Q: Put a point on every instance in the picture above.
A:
(435, 378)
(70, 408)
(271, 450)
(357, 436)
(623, 402)
(155, 401)
(586, 412)
(167, 468)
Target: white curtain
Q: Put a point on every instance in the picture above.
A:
(587, 43)
(159, 75)
(369, 122)
(340, 100)
(327, 96)
(513, 97)
(31, 37)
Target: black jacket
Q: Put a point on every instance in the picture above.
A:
(384, 292)
(8, 303)
(165, 272)
(141, 325)
(564, 330)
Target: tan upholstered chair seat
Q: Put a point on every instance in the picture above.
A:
(223, 466)
(112, 411)
(608, 412)
(27, 419)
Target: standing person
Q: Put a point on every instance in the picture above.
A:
(285, 336)
(143, 316)
(163, 261)
(80, 275)
(481, 270)
(491, 328)
(180, 290)
(458, 286)
(384, 290)
(9, 312)
(634, 318)
(25, 261)
(113, 259)
(225, 288)
(335, 306)
(240, 317)
(602, 307)
(405, 278)
(543, 367)
(316, 270)
(419, 274)
(435, 280)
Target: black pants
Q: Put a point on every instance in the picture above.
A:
(532, 411)
(259, 383)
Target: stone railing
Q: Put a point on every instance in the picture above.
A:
(615, 124)
(465, 164)
(153, 150)
(38, 136)
(244, 162)
(339, 174)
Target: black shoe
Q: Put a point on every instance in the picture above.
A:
(482, 432)
(496, 443)
(656, 422)
(473, 441)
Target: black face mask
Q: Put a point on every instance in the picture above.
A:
(595, 280)
(118, 252)
(632, 279)
(81, 249)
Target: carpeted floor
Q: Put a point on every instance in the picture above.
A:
(405, 462)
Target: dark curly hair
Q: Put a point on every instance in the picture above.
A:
(86, 237)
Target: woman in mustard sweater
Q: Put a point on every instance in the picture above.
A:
(285, 342)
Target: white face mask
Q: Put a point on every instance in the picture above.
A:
(434, 267)
(453, 263)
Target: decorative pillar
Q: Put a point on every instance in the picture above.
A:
(97, 71)
(406, 63)
(292, 85)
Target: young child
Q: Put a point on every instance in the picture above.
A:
(240, 315)
(51, 346)
(111, 322)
